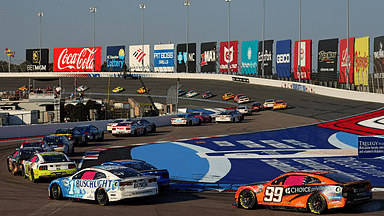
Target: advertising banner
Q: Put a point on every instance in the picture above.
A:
(283, 58)
(35, 63)
(115, 58)
(305, 60)
(164, 55)
(370, 146)
(249, 51)
(229, 54)
(378, 56)
(208, 57)
(267, 55)
(346, 59)
(183, 58)
(327, 59)
(76, 59)
(139, 58)
(361, 61)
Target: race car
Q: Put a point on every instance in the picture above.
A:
(257, 106)
(118, 89)
(207, 95)
(129, 128)
(181, 92)
(82, 88)
(145, 168)
(204, 117)
(313, 190)
(78, 138)
(236, 98)
(59, 143)
(114, 123)
(191, 94)
(269, 103)
(280, 104)
(245, 110)
(151, 126)
(16, 159)
(229, 116)
(242, 99)
(104, 184)
(228, 96)
(142, 90)
(48, 165)
(93, 133)
(33, 144)
(186, 119)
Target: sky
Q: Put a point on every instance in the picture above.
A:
(119, 22)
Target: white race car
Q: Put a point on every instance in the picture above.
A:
(129, 128)
(245, 110)
(104, 184)
(229, 116)
(268, 104)
(242, 99)
(186, 119)
(114, 123)
(82, 88)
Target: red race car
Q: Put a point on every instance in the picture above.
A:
(315, 191)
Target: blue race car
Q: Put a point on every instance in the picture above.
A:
(145, 169)
(93, 133)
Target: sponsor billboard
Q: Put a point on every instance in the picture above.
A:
(327, 59)
(139, 58)
(208, 57)
(76, 59)
(183, 58)
(370, 146)
(346, 59)
(35, 63)
(164, 55)
(267, 55)
(249, 51)
(229, 54)
(283, 58)
(305, 60)
(361, 61)
(115, 58)
(378, 56)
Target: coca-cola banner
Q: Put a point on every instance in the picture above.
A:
(327, 59)
(283, 58)
(183, 58)
(208, 57)
(346, 60)
(361, 61)
(37, 61)
(229, 55)
(378, 54)
(139, 59)
(76, 59)
(265, 56)
(305, 60)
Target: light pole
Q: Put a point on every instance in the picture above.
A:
(263, 35)
(229, 34)
(347, 72)
(93, 10)
(40, 14)
(187, 3)
(299, 51)
(142, 6)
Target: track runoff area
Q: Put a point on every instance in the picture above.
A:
(223, 163)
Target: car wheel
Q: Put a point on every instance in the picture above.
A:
(101, 196)
(135, 133)
(317, 203)
(154, 129)
(234, 120)
(9, 165)
(247, 199)
(199, 123)
(56, 192)
(32, 177)
(145, 132)
(86, 141)
(102, 136)
(190, 123)
(23, 172)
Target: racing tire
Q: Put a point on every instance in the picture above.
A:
(247, 199)
(234, 120)
(199, 123)
(317, 203)
(102, 136)
(101, 197)
(145, 132)
(56, 192)
(8, 166)
(32, 177)
(135, 133)
(23, 172)
(85, 142)
(154, 129)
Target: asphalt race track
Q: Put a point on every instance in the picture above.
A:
(21, 197)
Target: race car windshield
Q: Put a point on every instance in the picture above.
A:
(81, 127)
(29, 152)
(55, 139)
(124, 124)
(31, 144)
(125, 173)
(140, 166)
(55, 158)
(341, 178)
(63, 131)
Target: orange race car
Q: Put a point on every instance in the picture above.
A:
(228, 96)
(315, 191)
(142, 90)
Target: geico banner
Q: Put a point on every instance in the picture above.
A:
(265, 56)
(346, 60)
(361, 61)
(208, 57)
(77, 59)
(183, 58)
(378, 54)
(115, 58)
(37, 61)
(283, 58)
(229, 55)
(305, 60)
(139, 58)
(327, 59)
(249, 56)
(164, 55)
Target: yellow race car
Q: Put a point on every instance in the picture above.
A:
(118, 89)
(142, 90)
(228, 96)
(280, 104)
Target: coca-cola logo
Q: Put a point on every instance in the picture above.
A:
(82, 60)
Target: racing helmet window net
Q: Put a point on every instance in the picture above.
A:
(294, 180)
(88, 175)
